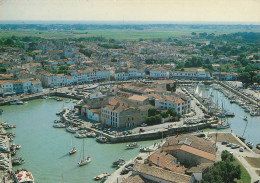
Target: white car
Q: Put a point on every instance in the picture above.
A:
(241, 149)
(143, 124)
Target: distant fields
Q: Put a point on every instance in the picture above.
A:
(116, 33)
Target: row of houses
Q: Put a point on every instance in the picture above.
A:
(20, 86)
(162, 73)
(127, 106)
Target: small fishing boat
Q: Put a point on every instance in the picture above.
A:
(250, 145)
(59, 99)
(232, 101)
(146, 149)
(18, 146)
(1, 111)
(118, 162)
(59, 125)
(73, 151)
(245, 118)
(258, 146)
(20, 102)
(72, 129)
(17, 161)
(14, 102)
(132, 145)
(101, 139)
(81, 135)
(229, 114)
(84, 160)
(100, 176)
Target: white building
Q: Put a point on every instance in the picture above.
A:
(159, 73)
(179, 105)
(121, 76)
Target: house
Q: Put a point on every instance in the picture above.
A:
(180, 105)
(122, 114)
(215, 67)
(31, 67)
(139, 100)
(121, 76)
(202, 75)
(159, 73)
(190, 148)
(36, 86)
(225, 76)
(156, 174)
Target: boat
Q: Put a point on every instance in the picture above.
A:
(232, 101)
(101, 139)
(23, 176)
(1, 111)
(118, 162)
(229, 114)
(20, 102)
(18, 146)
(223, 125)
(14, 102)
(245, 118)
(84, 160)
(81, 135)
(250, 145)
(258, 146)
(132, 145)
(59, 125)
(17, 161)
(59, 99)
(73, 149)
(72, 129)
(146, 149)
(100, 176)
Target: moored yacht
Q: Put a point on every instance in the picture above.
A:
(132, 145)
(23, 176)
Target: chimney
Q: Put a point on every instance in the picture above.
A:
(158, 161)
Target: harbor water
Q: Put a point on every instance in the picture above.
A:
(238, 125)
(45, 149)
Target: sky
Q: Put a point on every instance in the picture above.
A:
(132, 10)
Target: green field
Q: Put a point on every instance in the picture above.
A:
(115, 33)
(245, 177)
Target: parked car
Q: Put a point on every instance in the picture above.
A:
(143, 124)
(241, 149)
(224, 142)
(142, 130)
(235, 146)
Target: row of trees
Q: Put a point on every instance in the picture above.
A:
(155, 116)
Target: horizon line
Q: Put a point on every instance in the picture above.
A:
(130, 22)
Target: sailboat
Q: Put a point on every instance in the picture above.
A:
(84, 160)
(73, 149)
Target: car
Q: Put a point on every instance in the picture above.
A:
(129, 165)
(142, 130)
(241, 149)
(124, 171)
(224, 142)
(235, 146)
(143, 124)
(229, 144)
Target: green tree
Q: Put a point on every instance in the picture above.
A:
(245, 77)
(256, 79)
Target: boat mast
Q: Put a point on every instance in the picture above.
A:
(83, 149)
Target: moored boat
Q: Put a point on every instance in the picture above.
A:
(84, 160)
(100, 176)
(73, 151)
(118, 162)
(101, 139)
(23, 176)
(250, 145)
(17, 161)
(132, 145)
(72, 129)
(59, 125)
(146, 149)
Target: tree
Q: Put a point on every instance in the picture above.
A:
(152, 102)
(224, 171)
(256, 79)
(245, 77)
(152, 112)
(194, 33)
(172, 112)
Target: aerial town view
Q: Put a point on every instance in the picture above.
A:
(129, 91)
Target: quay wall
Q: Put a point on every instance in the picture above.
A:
(238, 93)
